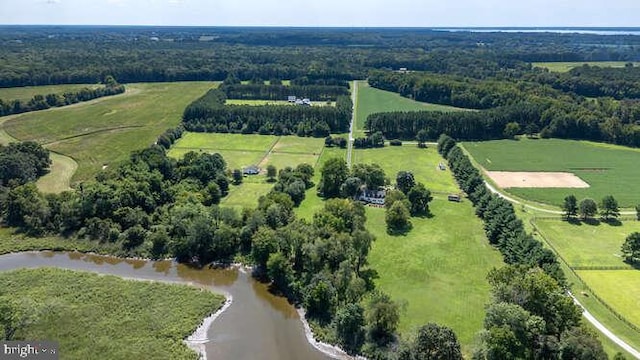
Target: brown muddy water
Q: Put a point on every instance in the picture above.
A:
(257, 325)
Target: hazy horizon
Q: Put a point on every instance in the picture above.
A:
(329, 13)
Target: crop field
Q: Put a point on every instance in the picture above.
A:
(620, 289)
(566, 66)
(422, 162)
(608, 169)
(582, 244)
(25, 93)
(371, 100)
(438, 269)
(90, 314)
(106, 130)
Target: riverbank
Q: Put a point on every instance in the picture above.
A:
(332, 351)
(199, 337)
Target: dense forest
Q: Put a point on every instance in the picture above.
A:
(210, 114)
(510, 108)
(59, 55)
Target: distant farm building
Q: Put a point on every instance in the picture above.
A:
(251, 170)
(372, 196)
(453, 197)
(442, 167)
(299, 101)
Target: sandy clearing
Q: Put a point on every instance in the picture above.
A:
(510, 179)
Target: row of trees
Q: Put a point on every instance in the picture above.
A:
(209, 114)
(42, 102)
(587, 208)
(282, 92)
(529, 316)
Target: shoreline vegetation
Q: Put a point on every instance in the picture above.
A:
(196, 340)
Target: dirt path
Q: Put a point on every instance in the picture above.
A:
(354, 100)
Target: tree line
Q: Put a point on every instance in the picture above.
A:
(42, 102)
(210, 114)
(543, 324)
(532, 110)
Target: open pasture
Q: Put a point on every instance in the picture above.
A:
(25, 93)
(620, 289)
(566, 66)
(608, 169)
(422, 162)
(273, 102)
(437, 270)
(106, 130)
(588, 245)
(371, 100)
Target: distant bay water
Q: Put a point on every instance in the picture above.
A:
(590, 31)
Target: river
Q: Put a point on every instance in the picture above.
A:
(257, 325)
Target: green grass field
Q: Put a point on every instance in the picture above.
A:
(595, 246)
(242, 150)
(582, 244)
(371, 100)
(25, 93)
(106, 130)
(89, 314)
(273, 102)
(608, 169)
(566, 66)
(422, 162)
(438, 269)
(620, 289)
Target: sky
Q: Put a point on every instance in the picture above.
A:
(343, 13)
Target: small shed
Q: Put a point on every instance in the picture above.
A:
(453, 197)
(291, 98)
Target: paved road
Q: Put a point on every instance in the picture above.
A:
(635, 353)
(354, 99)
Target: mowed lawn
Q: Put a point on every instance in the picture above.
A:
(106, 130)
(582, 244)
(371, 100)
(438, 270)
(422, 162)
(26, 93)
(608, 169)
(240, 151)
(620, 289)
(566, 66)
